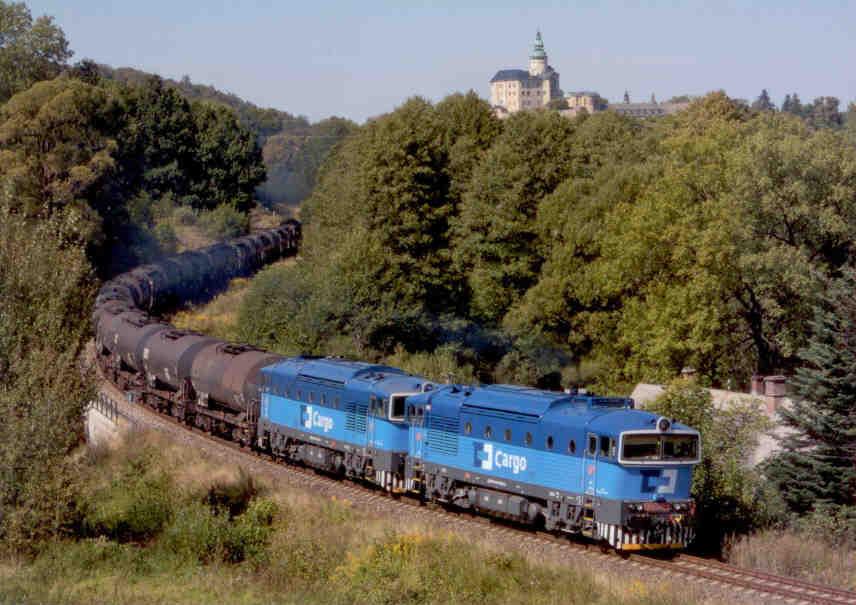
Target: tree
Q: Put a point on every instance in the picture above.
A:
(57, 149)
(823, 113)
(763, 102)
(30, 51)
(558, 104)
(227, 158)
(818, 464)
(497, 241)
(793, 105)
(850, 123)
(47, 288)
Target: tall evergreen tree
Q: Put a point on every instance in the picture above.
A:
(787, 104)
(795, 106)
(763, 102)
(818, 464)
(824, 113)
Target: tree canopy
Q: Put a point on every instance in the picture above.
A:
(30, 50)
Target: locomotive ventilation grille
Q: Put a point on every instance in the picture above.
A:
(355, 417)
(443, 435)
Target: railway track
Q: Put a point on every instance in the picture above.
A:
(708, 578)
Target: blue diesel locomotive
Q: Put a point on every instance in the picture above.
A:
(574, 462)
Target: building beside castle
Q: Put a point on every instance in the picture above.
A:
(513, 90)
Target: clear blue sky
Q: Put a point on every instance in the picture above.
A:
(363, 57)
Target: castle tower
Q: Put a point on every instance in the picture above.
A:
(538, 58)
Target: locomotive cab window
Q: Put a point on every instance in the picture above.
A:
(507, 434)
(488, 432)
(572, 446)
(592, 445)
(528, 439)
(396, 407)
(468, 428)
(604, 446)
(643, 447)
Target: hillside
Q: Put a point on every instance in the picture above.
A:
(293, 148)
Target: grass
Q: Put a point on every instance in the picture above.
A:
(219, 535)
(798, 554)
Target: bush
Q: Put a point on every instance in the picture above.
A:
(202, 534)
(224, 222)
(730, 496)
(443, 364)
(166, 237)
(184, 215)
(135, 506)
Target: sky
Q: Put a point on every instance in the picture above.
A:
(361, 58)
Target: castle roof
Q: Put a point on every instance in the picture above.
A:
(522, 75)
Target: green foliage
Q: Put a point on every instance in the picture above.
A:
(730, 496)
(134, 506)
(224, 221)
(496, 246)
(204, 535)
(46, 287)
(446, 363)
(30, 50)
(818, 464)
(293, 159)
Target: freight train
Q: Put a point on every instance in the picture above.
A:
(567, 462)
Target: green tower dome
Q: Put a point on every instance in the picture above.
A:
(538, 48)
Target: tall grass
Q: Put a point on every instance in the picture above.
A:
(797, 553)
(160, 524)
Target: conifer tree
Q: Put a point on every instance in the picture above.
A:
(763, 102)
(818, 464)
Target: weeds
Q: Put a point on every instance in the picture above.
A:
(158, 523)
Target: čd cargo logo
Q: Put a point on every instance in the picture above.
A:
(488, 458)
(312, 419)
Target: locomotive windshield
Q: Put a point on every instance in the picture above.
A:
(646, 447)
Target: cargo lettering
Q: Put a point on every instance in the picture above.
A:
(487, 458)
(516, 463)
(312, 418)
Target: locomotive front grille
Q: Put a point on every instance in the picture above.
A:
(671, 536)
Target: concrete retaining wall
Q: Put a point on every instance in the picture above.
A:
(105, 422)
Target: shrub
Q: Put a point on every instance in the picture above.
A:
(202, 534)
(135, 506)
(167, 240)
(730, 496)
(184, 215)
(224, 221)
(443, 364)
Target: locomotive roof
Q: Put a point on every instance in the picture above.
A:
(332, 370)
(524, 401)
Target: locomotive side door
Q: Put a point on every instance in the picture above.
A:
(589, 474)
(375, 414)
(416, 420)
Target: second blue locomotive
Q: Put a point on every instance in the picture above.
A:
(574, 462)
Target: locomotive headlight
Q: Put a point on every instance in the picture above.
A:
(663, 425)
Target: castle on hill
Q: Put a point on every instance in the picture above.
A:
(513, 90)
